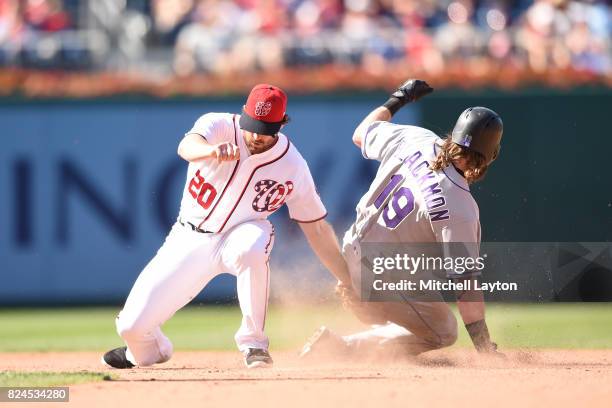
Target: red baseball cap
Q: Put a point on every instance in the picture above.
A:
(264, 112)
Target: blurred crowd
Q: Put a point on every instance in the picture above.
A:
(162, 37)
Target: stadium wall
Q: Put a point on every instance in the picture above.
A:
(88, 189)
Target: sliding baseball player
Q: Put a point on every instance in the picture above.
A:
(421, 193)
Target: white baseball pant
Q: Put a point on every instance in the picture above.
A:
(182, 267)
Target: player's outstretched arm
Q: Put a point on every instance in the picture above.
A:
(194, 148)
(322, 239)
(472, 309)
(410, 91)
(379, 114)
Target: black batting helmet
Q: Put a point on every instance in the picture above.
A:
(479, 129)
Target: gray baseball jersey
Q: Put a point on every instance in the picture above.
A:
(408, 202)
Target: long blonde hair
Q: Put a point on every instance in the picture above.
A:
(476, 163)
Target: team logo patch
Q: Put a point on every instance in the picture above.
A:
(263, 108)
(467, 140)
(271, 195)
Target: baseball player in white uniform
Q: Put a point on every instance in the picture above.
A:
(420, 194)
(241, 170)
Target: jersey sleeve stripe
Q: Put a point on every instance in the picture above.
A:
(308, 222)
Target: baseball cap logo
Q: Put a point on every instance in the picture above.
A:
(263, 108)
(264, 111)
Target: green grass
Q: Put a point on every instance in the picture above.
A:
(213, 327)
(564, 325)
(47, 379)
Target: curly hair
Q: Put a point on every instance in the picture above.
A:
(476, 163)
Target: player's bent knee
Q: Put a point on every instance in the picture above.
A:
(253, 262)
(252, 259)
(443, 331)
(166, 351)
(447, 336)
(254, 254)
(448, 339)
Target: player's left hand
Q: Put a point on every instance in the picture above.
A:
(412, 90)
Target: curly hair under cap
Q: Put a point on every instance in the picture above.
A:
(476, 163)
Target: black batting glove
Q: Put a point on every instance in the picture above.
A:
(410, 91)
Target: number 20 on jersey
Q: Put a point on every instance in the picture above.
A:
(204, 193)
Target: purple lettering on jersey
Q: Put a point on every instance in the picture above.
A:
(439, 215)
(431, 193)
(412, 159)
(431, 190)
(401, 211)
(394, 181)
(429, 175)
(435, 203)
(415, 169)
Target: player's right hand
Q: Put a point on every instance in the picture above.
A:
(351, 303)
(226, 152)
(412, 90)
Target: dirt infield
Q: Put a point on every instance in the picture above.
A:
(450, 378)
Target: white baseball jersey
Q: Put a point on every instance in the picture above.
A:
(408, 202)
(233, 200)
(218, 196)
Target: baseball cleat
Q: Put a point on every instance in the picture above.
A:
(324, 341)
(116, 358)
(257, 358)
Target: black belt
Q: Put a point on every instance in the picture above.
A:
(194, 228)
